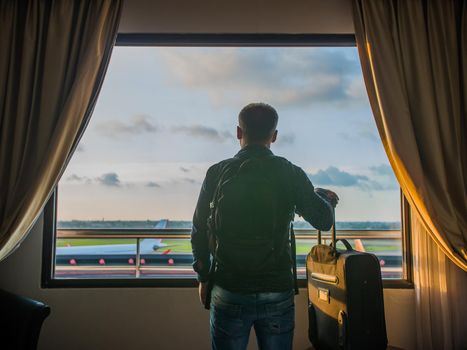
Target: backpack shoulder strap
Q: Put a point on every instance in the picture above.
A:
(293, 247)
(231, 166)
(227, 168)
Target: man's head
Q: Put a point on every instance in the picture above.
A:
(257, 124)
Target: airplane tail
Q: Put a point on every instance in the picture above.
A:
(359, 245)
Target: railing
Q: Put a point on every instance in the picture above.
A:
(184, 233)
(153, 261)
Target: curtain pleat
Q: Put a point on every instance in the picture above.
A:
(440, 288)
(413, 60)
(53, 58)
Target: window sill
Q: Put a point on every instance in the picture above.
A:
(168, 283)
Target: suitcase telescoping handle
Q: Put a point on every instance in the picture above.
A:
(333, 230)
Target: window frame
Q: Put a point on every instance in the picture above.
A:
(207, 40)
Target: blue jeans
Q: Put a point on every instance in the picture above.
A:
(233, 315)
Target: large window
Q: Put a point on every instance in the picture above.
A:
(124, 205)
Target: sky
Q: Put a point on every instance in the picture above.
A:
(164, 115)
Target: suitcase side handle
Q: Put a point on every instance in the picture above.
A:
(342, 326)
(345, 242)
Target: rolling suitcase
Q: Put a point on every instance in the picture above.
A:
(345, 298)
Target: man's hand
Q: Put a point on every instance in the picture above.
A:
(332, 197)
(202, 289)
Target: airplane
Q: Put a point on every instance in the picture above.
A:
(147, 246)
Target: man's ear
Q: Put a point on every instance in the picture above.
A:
(239, 133)
(274, 137)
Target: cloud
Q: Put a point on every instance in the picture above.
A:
(185, 170)
(285, 139)
(80, 148)
(357, 89)
(74, 177)
(136, 124)
(369, 135)
(284, 77)
(382, 169)
(184, 181)
(345, 136)
(386, 175)
(363, 132)
(78, 179)
(204, 132)
(191, 181)
(333, 176)
(109, 179)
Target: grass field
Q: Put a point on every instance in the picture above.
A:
(184, 246)
(80, 242)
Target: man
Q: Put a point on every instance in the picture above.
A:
(242, 218)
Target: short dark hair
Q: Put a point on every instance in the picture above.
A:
(258, 121)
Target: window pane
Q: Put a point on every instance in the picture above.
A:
(165, 115)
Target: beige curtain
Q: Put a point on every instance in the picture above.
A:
(440, 288)
(413, 55)
(53, 57)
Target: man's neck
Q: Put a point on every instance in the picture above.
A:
(259, 144)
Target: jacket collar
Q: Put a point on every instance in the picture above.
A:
(253, 151)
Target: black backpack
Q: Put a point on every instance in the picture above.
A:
(246, 215)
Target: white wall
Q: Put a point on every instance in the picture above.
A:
(149, 318)
(240, 16)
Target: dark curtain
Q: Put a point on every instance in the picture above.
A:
(53, 59)
(414, 59)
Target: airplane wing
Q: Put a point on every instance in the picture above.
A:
(147, 246)
(97, 249)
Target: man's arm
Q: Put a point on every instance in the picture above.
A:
(312, 205)
(199, 237)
